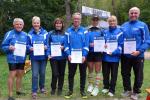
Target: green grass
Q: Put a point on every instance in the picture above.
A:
(27, 83)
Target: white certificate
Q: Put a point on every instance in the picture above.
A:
(56, 49)
(111, 46)
(99, 45)
(76, 56)
(20, 50)
(129, 46)
(38, 49)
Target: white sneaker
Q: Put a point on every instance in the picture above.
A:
(90, 88)
(95, 91)
(134, 96)
(105, 91)
(110, 94)
(126, 93)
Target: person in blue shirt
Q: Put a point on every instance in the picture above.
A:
(37, 44)
(76, 40)
(57, 62)
(111, 59)
(137, 30)
(16, 62)
(94, 58)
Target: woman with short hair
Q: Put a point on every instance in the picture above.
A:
(37, 45)
(57, 37)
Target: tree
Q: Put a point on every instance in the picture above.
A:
(68, 13)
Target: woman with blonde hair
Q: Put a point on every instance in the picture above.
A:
(113, 36)
(38, 47)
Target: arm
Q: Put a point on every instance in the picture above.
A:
(146, 39)
(118, 51)
(6, 42)
(85, 45)
(66, 44)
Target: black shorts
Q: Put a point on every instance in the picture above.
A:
(16, 66)
(94, 57)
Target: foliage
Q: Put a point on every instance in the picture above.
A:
(47, 10)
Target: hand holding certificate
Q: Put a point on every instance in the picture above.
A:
(76, 56)
(20, 50)
(99, 43)
(129, 46)
(56, 49)
(38, 49)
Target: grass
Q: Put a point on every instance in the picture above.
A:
(27, 83)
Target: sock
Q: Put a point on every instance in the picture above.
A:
(97, 81)
(90, 78)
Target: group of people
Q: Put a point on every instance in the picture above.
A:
(92, 47)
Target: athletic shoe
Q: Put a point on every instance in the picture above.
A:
(95, 91)
(34, 96)
(134, 96)
(105, 91)
(68, 95)
(11, 98)
(83, 95)
(126, 93)
(90, 88)
(43, 91)
(110, 94)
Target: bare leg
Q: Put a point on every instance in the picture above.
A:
(90, 72)
(19, 75)
(97, 70)
(11, 77)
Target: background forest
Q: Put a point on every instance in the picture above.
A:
(48, 10)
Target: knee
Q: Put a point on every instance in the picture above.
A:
(34, 74)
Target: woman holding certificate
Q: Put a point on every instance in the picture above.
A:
(111, 57)
(37, 42)
(136, 34)
(94, 58)
(56, 40)
(15, 46)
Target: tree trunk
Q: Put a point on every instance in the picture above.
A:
(79, 4)
(113, 7)
(68, 14)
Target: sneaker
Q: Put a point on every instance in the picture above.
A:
(34, 96)
(105, 91)
(83, 95)
(11, 98)
(20, 93)
(134, 96)
(53, 92)
(59, 92)
(90, 88)
(43, 91)
(110, 94)
(68, 95)
(126, 93)
(95, 91)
